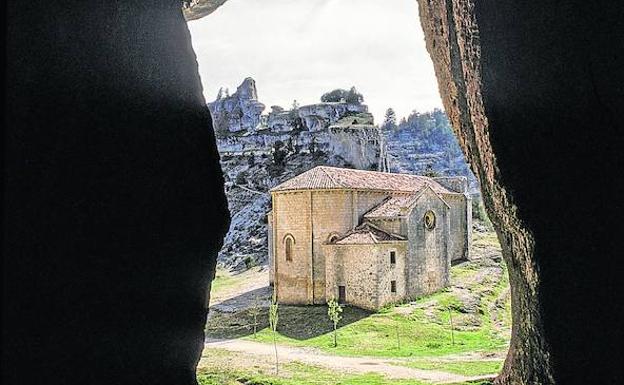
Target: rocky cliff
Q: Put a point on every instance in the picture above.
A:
(260, 150)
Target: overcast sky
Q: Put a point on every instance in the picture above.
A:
(299, 49)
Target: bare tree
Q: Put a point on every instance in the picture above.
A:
(254, 311)
(273, 317)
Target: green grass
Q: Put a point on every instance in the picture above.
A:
(375, 335)
(465, 368)
(485, 239)
(424, 327)
(223, 280)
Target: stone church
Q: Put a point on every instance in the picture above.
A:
(365, 238)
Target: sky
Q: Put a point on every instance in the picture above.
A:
(300, 49)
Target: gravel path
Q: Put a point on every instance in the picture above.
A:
(388, 367)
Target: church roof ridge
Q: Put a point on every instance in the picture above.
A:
(327, 177)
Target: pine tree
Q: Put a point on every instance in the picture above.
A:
(389, 122)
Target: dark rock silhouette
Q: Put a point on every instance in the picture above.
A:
(534, 93)
(114, 204)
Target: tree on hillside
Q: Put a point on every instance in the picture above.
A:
(389, 122)
(337, 95)
(279, 153)
(354, 97)
(340, 95)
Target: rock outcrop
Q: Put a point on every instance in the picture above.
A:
(239, 112)
(343, 129)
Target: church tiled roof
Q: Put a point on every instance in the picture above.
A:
(392, 207)
(367, 234)
(325, 178)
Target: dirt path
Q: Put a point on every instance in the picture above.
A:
(387, 367)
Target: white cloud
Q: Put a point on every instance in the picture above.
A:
(299, 49)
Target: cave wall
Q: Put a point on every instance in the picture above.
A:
(533, 91)
(113, 202)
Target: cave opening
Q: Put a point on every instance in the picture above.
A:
(293, 58)
(113, 193)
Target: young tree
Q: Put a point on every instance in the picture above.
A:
(452, 328)
(273, 318)
(254, 311)
(334, 311)
(398, 336)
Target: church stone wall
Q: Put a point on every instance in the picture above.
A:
(270, 246)
(366, 201)
(332, 213)
(311, 217)
(427, 254)
(313, 276)
(291, 216)
(388, 272)
(460, 221)
(390, 225)
(366, 272)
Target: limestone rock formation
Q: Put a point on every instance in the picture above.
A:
(239, 112)
(343, 129)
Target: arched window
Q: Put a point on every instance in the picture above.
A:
(333, 237)
(289, 242)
